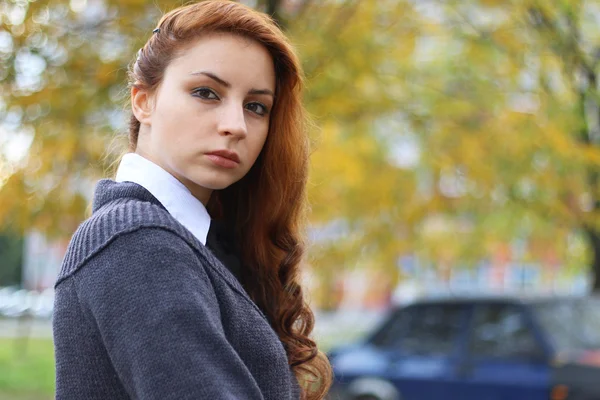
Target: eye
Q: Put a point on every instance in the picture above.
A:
(257, 108)
(205, 93)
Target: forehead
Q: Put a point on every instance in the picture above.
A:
(236, 59)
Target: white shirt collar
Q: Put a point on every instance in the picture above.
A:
(171, 193)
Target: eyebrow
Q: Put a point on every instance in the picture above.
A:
(228, 85)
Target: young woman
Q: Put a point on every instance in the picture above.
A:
(184, 282)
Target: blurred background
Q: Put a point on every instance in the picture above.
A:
(456, 152)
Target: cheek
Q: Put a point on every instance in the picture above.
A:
(173, 139)
(258, 143)
(174, 127)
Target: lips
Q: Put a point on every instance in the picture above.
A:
(228, 154)
(224, 158)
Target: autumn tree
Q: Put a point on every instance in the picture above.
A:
(509, 113)
(442, 127)
(479, 125)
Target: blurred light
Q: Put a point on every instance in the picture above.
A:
(33, 112)
(6, 42)
(16, 16)
(499, 195)
(38, 40)
(586, 202)
(405, 152)
(559, 392)
(16, 145)
(540, 161)
(58, 12)
(12, 119)
(78, 5)
(29, 64)
(403, 146)
(431, 10)
(29, 68)
(18, 30)
(526, 188)
(452, 182)
(428, 48)
(525, 103)
(112, 49)
(42, 16)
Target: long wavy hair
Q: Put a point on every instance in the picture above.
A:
(267, 206)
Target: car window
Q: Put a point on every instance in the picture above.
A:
(500, 330)
(392, 330)
(422, 329)
(433, 329)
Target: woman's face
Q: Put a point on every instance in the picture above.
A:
(208, 120)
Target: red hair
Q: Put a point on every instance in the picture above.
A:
(268, 205)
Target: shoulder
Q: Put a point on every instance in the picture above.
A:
(136, 224)
(150, 275)
(149, 253)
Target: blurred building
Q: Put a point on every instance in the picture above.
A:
(42, 259)
(371, 289)
(504, 271)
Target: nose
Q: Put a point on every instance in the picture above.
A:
(232, 120)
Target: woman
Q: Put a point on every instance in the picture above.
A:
(150, 304)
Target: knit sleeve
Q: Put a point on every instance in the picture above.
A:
(159, 320)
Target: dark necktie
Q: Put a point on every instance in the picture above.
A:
(220, 241)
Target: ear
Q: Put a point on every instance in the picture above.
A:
(142, 105)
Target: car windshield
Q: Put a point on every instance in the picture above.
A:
(572, 324)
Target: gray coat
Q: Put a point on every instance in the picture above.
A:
(144, 311)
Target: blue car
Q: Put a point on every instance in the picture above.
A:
(476, 349)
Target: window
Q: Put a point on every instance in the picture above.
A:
(500, 330)
(433, 329)
(392, 330)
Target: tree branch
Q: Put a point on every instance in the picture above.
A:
(568, 47)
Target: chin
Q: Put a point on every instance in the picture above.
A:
(216, 184)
